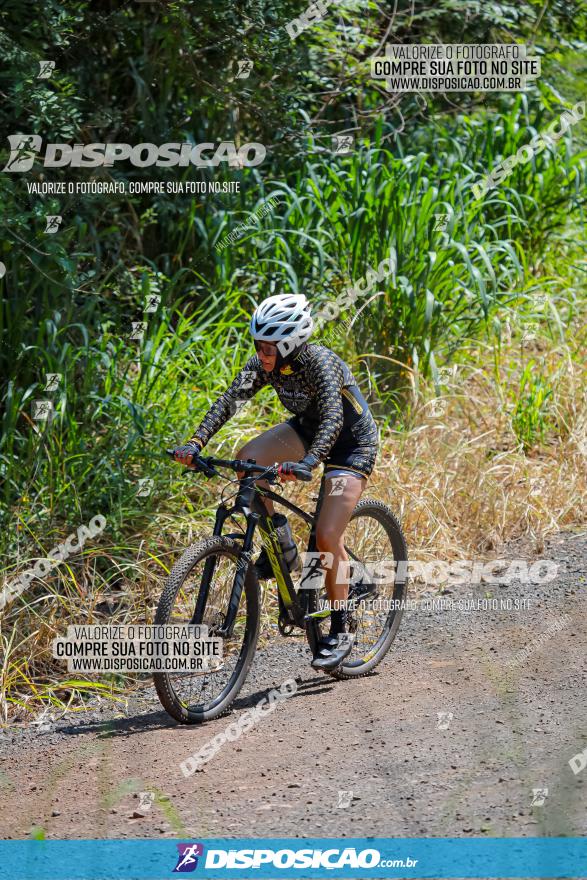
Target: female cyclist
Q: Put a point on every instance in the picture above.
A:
(331, 425)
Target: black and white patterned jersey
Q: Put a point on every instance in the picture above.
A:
(317, 386)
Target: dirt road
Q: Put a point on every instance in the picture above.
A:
(355, 758)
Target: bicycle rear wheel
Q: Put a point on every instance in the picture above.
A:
(373, 536)
(193, 697)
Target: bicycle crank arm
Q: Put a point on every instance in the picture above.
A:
(317, 615)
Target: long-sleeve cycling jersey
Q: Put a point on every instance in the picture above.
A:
(317, 386)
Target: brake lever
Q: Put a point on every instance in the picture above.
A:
(207, 469)
(270, 475)
(200, 465)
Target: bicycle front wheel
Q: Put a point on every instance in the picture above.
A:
(193, 697)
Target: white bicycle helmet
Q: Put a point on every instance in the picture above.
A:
(285, 320)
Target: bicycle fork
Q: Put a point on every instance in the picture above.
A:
(241, 505)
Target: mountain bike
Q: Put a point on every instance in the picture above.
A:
(214, 584)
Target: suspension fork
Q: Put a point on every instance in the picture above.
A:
(239, 578)
(222, 515)
(244, 503)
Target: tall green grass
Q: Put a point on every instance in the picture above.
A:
(340, 217)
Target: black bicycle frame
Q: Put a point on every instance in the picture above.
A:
(249, 502)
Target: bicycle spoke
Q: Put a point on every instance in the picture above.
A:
(202, 686)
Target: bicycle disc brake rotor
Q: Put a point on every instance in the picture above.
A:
(216, 623)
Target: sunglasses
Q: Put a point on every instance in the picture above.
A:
(266, 348)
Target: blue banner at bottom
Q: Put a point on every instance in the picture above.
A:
(409, 857)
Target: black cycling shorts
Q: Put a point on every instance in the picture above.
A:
(347, 452)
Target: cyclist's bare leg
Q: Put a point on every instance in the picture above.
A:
(334, 517)
(280, 443)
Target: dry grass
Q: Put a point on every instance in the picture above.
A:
(460, 479)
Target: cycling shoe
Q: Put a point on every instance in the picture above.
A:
(332, 650)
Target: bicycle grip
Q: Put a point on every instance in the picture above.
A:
(200, 465)
(301, 473)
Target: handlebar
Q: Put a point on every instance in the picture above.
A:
(208, 465)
